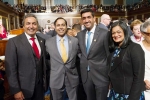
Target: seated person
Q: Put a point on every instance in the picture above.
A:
(3, 33)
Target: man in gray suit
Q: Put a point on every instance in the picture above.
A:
(63, 50)
(105, 21)
(25, 62)
(93, 44)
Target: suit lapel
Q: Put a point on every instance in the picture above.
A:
(58, 56)
(69, 47)
(41, 43)
(27, 45)
(95, 37)
(83, 35)
(118, 60)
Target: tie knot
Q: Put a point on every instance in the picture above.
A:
(61, 40)
(89, 33)
(32, 39)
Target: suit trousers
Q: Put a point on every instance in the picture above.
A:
(59, 93)
(2, 90)
(38, 92)
(94, 92)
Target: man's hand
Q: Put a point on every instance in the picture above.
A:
(147, 84)
(19, 96)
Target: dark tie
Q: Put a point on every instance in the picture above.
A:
(35, 48)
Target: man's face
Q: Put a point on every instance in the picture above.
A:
(61, 27)
(88, 20)
(30, 26)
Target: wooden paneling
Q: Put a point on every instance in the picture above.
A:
(120, 2)
(2, 47)
(97, 2)
(16, 31)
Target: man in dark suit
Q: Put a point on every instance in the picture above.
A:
(105, 21)
(93, 44)
(25, 62)
(52, 33)
(63, 50)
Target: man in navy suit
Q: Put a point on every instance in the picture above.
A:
(25, 65)
(105, 21)
(93, 44)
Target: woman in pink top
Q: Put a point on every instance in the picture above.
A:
(135, 27)
(3, 33)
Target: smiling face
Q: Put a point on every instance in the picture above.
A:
(61, 27)
(88, 20)
(118, 35)
(30, 26)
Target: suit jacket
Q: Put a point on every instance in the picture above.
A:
(44, 36)
(127, 73)
(23, 68)
(51, 33)
(58, 68)
(96, 59)
(103, 26)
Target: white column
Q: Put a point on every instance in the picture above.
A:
(15, 2)
(77, 2)
(93, 2)
(43, 2)
(48, 6)
(68, 2)
(25, 1)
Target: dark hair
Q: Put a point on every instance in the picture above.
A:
(58, 19)
(112, 44)
(29, 15)
(87, 10)
(76, 27)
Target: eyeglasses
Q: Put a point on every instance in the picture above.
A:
(146, 33)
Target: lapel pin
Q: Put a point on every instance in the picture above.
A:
(94, 40)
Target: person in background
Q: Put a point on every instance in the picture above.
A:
(126, 21)
(2, 72)
(70, 32)
(93, 50)
(126, 63)
(25, 65)
(3, 33)
(76, 29)
(104, 21)
(137, 35)
(81, 93)
(42, 35)
(145, 44)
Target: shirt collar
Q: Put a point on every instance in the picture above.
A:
(28, 37)
(58, 38)
(93, 29)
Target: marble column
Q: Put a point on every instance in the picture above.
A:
(48, 6)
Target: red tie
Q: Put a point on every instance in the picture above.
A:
(35, 48)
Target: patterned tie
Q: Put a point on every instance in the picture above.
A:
(88, 46)
(63, 51)
(88, 42)
(35, 48)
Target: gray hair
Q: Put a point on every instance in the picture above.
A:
(143, 27)
(29, 15)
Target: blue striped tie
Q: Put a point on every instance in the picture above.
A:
(88, 46)
(88, 42)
